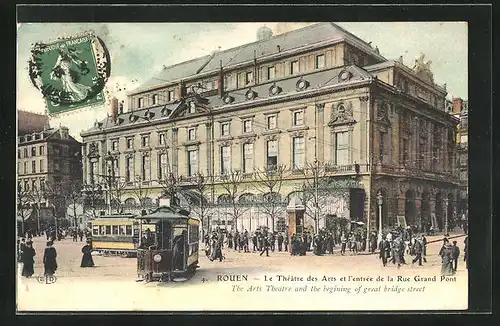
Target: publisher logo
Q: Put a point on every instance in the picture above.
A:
(47, 279)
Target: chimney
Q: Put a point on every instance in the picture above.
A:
(221, 81)
(180, 90)
(457, 105)
(114, 108)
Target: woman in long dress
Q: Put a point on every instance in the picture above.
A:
(62, 70)
(87, 260)
(49, 259)
(28, 260)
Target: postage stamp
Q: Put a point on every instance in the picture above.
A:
(71, 72)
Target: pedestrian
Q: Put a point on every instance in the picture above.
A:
(285, 242)
(87, 260)
(280, 241)
(343, 243)
(396, 251)
(373, 242)
(49, 259)
(417, 250)
(254, 241)
(28, 261)
(22, 246)
(385, 248)
(455, 253)
(80, 234)
(446, 254)
(265, 246)
(424, 248)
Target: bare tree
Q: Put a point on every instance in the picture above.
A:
(73, 193)
(141, 192)
(231, 182)
(314, 190)
(118, 187)
(23, 201)
(269, 183)
(55, 193)
(170, 187)
(37, 195)
(199, 203)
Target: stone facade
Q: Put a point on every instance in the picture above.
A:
(374, 124)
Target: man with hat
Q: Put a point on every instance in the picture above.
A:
(49, 259)
(28, 260)
(87, 260)
(417, 250)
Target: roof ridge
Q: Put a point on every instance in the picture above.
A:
(349, 33)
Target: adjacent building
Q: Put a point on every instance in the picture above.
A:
(314, 97)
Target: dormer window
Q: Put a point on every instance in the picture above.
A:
(248, 77)
(320, 61)
(156, 98)
(192, 107)
(171, 96)
(140, 102)
(271, 73)
(294, 67)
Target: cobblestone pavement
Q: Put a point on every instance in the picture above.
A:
(111, 285)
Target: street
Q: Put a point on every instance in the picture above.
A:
(247, 281)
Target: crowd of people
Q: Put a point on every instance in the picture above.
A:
(26, 252)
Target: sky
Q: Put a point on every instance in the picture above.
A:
(139, 50)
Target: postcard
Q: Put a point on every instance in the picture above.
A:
(242, 166)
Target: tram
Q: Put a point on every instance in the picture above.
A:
(115, 235)
(168, 246)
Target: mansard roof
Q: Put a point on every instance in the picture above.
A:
(287, 41)
(262, 93)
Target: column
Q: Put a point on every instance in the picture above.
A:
(84, 164)
(363, 100)
(418, 210)
(320, 118)
(432, 210)
(401, 208)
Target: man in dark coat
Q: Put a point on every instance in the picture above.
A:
(466, 253)
(80, 234)
(87, 260)
(280, 241)
(49, 259)
(285, 242)
(455, 253)
(385, 248)
(343, 243)
(265, 246)
(254, 241)
(424, 248)
(28, 260)
(417, 250)
(179, 249)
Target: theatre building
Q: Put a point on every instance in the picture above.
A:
(313, 97)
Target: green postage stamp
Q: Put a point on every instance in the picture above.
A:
(70, 72)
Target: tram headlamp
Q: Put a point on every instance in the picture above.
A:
(157, 258)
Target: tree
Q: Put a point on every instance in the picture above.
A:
(23, 201)
(314, 190)
(141, 192)
(118, 186)
(74, 197)
(197, 200)
(231, 182)
(268, 183)
(55, 192)
(92, 198)
(37, 195)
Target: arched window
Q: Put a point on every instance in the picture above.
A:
(130, 202)
(247, 198)
(224, 199)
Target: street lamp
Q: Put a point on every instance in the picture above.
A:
(110, 177)
(446, 216)
(380, 201)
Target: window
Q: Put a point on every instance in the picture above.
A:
(108, 230)
(421, 153)
(42, 185)
(155, 99)
(145, 141)
(25, 152)
(140, 102)
(33, 184)
(171, 96)
(18, 153)
(114, 229)
(272, 155)
(225, 159)
(57, 168)
(130, 143)
(146, 166)
(162, 139)
(192, 162)
(271, 122)
(41, 166)
(192, 108)
(342, 148)
(271, 72)
(406, 146)
(19, 168)
(33, 151)
(247, 158)
(247, 126)
(248, 77)
(95, 230)
(298, 118)
(25, 169)
(162, 167)
(42, 150)
(381, 147)
(129, 166)
(128, 229)
(26, 185)
(121, 230)
(299, 153)
(224, 129)
(294, 67)
(320, 61)
(114, 145)
(191, 134)
(116, 167)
